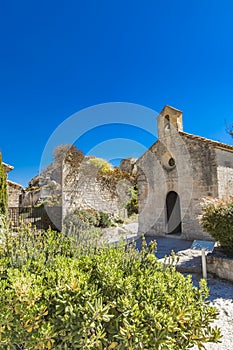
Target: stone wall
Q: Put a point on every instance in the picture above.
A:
(225, 173)
(14, 189)
(84, 189)
(129, 165)
(78, 185)
(225, 182)
(222, 267)
(14, 194)
(203, 168)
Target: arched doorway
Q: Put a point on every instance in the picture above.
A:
(173, 213)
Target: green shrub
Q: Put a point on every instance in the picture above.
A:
(82, 219)
(101, 164)
(3, 189)
(217, 220)
(77, 226)
(132, 205)
(105, 220)
(86, 218)
(57, 294)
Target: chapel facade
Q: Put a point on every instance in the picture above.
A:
(175, 173)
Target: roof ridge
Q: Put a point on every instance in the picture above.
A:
(8, 165)
(217, 143)
(14, 183)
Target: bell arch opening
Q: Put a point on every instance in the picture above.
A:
(167, 124)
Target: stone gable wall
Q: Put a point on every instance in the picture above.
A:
(193, 177)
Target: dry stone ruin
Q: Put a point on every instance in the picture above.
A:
(76, 182)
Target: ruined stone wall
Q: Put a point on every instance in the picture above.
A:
(83, 189)
(224, 173)
(129, 165)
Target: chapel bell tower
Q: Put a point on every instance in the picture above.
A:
(169, 122)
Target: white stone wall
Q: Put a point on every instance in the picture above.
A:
(222, 267)
(225, 173)
(225, 182)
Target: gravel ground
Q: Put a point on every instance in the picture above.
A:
(127, 231)
(221, 296)
(221, 291)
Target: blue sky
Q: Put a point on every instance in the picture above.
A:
(59, 57)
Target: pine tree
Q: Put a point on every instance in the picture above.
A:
(3, 189)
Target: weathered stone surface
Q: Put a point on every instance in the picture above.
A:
(129, 165)
(83, 188)
(80, 185)
(14, 194)
(220, 266)
(190, 167)
(14, 189)
(127, 231)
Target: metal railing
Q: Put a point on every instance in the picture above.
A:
(40, 217)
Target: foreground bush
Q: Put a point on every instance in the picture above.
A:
(217, 220)
(132, 205)
(87, 218)
(55, 294)
(3, 189)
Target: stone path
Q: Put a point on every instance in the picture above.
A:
(127, 231)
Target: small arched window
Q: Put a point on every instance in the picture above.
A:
(167, 122)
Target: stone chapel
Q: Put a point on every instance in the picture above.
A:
(175, 173)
